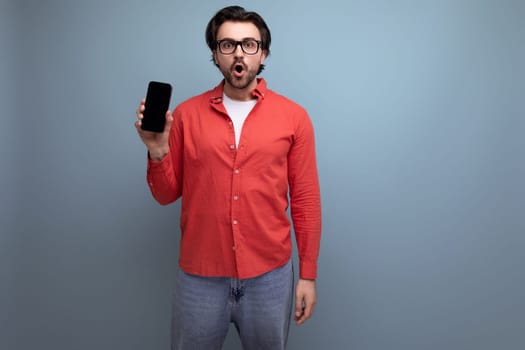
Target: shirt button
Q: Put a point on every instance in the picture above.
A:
(235, 222)
(236, 171)
(235, 198)
(233, 248)
(232, 146)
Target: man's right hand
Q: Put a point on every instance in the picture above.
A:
(156, 142)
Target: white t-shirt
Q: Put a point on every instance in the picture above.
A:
(238, 111)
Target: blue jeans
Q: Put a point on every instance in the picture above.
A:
(260, 308)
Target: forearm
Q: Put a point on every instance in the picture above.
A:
(162, 180)
(308, 238)
(306, 217)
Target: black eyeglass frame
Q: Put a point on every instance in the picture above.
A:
(237, 43)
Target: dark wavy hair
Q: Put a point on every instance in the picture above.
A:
(238, 14)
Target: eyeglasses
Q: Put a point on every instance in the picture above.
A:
(248, 46)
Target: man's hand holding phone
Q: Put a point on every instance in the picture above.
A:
(156, 142)
(154, 120)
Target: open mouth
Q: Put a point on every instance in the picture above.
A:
(238, 70)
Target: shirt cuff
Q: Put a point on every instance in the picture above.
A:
(308, 270)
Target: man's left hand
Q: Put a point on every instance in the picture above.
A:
(305, 299)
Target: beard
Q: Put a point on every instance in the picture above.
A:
(243, 82)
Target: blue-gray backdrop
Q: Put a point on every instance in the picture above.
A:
(419, 114)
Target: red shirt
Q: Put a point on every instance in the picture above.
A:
(234, 199)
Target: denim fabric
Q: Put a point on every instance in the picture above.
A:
(260, 308)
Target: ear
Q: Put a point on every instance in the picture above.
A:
(215, 60)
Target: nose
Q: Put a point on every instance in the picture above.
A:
(238, 50)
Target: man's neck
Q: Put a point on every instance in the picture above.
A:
(240, 94)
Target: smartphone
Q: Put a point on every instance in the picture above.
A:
(157, 104)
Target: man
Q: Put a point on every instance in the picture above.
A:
(234, 154)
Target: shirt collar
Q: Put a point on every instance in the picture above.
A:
(259, 92)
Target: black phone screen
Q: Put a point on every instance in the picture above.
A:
(156, 106)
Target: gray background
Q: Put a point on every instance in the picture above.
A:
(420, 123)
